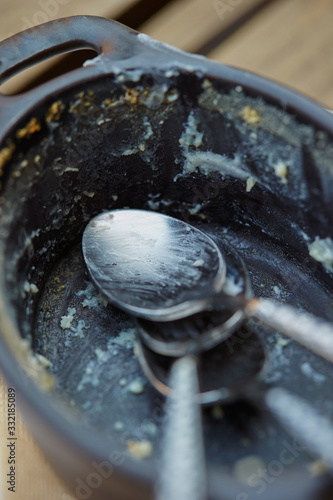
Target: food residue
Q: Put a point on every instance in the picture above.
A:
(140, 449)
(66, 321)
(27, 131)
(281, 171)
(136, 387)
(54, 112)
(118, 426)
(321, 249)
(5, 155)
(250, 182)
(250, 115)
(248, 467)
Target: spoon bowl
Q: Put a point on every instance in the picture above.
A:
(152, 265)
(203, 330)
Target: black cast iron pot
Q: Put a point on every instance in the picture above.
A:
(145, 125)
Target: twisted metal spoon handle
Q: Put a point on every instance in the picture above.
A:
(314, 333)
(303, 422)
(183, 465)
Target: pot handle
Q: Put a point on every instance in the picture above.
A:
(63, 35)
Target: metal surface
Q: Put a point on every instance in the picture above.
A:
(151, 265)
(202, 331)
(93, 156)
(183, 455)
(226, 377)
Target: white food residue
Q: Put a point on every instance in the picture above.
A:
(250, 182)
(66, 321)
(136, 387)
(30, 287)
(231, 287)
(118, 426)
(125, 338)
(91, 298)
(277, 291)
(248, 467)
(311, 373)
(191, 136)
(281, 171)
(322, 251)
(208, 162)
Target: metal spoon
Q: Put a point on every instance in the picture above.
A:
(160, 268)
(151, 265)
(227, 377)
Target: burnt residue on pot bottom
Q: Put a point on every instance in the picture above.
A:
(216, 156)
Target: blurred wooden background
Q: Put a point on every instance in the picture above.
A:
(288, 40)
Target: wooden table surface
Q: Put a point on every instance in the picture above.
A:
(287, 40)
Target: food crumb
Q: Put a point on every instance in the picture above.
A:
(118, 426)
(282, 342)
(140, 449)
(321, 250)
(136, 350)
(122, 382)
(250, 115)
(247, 467)
(54, 112)
(30, 287)
(136, 387)
(66, 321)
(281, 171)
(5, 155)
(250, 182)
(27, 131)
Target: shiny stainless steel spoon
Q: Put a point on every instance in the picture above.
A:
(160, 268)
(151, 265)
(227, 376)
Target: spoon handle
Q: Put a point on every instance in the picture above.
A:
(314, 333)
(183, 464)
(313, 430)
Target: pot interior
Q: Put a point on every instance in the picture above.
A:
(195, 148)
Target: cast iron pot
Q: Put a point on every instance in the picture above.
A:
(145, 125)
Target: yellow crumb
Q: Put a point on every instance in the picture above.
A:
(5, 155)
(140, 449)
(131, 96)
(27, 131)
(250, 115)
(54, 112)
